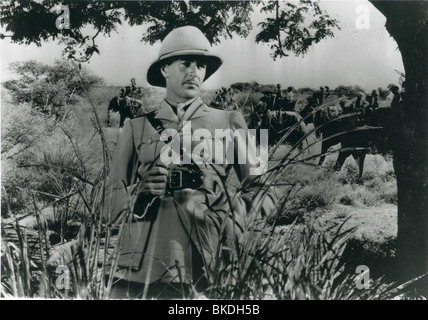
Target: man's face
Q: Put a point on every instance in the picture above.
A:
(184, 78)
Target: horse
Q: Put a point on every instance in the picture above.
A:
(127, 108)
(278, 122)
(358, 133)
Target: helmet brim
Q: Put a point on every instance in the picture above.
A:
(155, 77)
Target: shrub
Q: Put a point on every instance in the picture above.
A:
(48, 88)
(389, 192)
(40, 159)
(319, 195)
(349, 91)
(346, 200)
(21, 129)
(21, 132)
(366, 197)
(310, 191)
(379, 178)
(246, 86)
(349, 172)
(224, 99)
(306, 91)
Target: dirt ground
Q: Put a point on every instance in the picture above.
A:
(375, 223)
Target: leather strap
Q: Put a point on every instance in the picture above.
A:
(156, 123)
(185, 176)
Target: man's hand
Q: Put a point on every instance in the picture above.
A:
(154, 180)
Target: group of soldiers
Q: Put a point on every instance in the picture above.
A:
(285, 101)
(129, 103)
(276, 100)
(131, 91)
(364, 104)
(274, 107)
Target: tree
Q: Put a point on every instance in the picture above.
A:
(291, 29)
(407, 23)
(296, 27)
(45, 87)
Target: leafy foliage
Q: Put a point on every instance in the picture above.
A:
(348, 91)
(224, 99)
(289, 31)
(48, 88)
(246, 86)
(215, 18)
(294, 27)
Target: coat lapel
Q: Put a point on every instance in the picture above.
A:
(166, 113)
(196, 110)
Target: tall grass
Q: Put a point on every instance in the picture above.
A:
(267, 261)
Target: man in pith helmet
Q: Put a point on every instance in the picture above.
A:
(178, 221)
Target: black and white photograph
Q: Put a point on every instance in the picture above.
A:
(214, 151)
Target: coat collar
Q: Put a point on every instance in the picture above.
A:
(196, 109)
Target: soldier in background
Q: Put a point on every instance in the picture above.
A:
(361, 105)
(307, 109)
(291, 102)
(265, 103)
(319, 96)
(278, 91)
(327, 92)
(133, 84)
(372, 100)
(277, 99)
(361, 102)
(129, 103)
(395, 103)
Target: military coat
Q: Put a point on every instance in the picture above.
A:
(157, 244)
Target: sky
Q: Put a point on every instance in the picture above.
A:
(367, 57)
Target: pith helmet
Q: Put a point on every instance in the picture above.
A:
(183, 41)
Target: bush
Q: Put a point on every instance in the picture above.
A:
(306, 91)
(21, 129)
(224, 99)
(349, 172)
(246, 86)
(48, 88)
(349, 91)
(379, 178)
(346, 200)
(311, 191)
(40, 159)
(21, 132)
(319, 195)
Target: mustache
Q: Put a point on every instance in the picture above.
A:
(193, 81)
